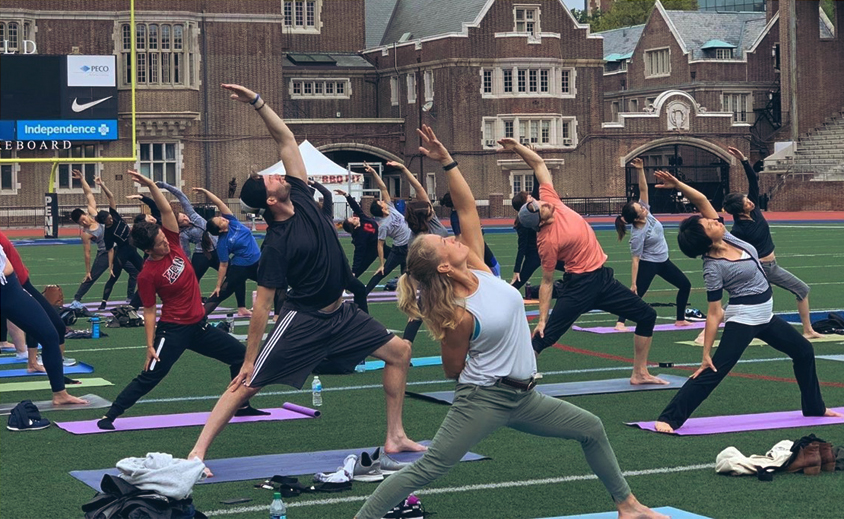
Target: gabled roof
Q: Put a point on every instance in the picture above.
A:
(732, 30)
(621, 42)
(425, 18)
(378, 14)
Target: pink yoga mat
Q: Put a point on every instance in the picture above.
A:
(139, 423)
(746, 422)
(631, 329)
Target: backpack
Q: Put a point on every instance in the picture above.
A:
(532, 292)
(391, 285)
(125, 317)
(833, 324)
(54, 295)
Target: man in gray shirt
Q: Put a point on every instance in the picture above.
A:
(390, 223)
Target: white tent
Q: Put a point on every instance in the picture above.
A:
(321, 169)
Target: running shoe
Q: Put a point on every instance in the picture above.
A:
(25, 417)
(410, 508)
(694, 315)
(388, 464)
(366, 469)
(67, 362)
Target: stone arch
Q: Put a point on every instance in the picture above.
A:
(355, 146)
(679, 139)
(661, 99)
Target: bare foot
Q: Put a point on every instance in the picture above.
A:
(631, 508)
(682, 324)
(64, 398)
(663, 427)
(813, 335)
(244, 312)
(35, 368)
(699, 339)
(832, 414)
(207, 471)
(647, 378)
(620, 327)
(404, 444)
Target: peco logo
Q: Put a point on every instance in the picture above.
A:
(91, 71)
(95, 68)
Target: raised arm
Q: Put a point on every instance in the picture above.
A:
(669, 181)
(108, 194)
(224, 209)
(414, 182)
(385, 194)
(153, 209)
(89, 195)
(327, 198)
(461, 195)
(353, 204)
(540, 170)
(639, 165)
(291, 157)
(187, 207)
(168, 217)
(752, 177)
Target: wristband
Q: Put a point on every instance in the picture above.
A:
(257, 96)
(449, 167)
(262, 105)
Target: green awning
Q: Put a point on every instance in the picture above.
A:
(717, 44)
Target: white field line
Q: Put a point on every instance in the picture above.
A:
(468, 488)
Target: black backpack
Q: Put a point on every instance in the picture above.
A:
(391, 285)
(125, 317)
(833, 324)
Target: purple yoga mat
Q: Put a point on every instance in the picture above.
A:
(138, 423)
(746, 422)
(631, 329)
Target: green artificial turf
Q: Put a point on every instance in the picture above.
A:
(527, 476)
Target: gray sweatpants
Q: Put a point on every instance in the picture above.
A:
(477, 412)
(784, 279)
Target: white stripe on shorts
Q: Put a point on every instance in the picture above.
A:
(157, 354)
(272, 340)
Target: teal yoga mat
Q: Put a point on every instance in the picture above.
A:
(673, 513)
(77, 369)
(373, 365)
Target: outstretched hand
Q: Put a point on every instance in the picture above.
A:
(666, 180)
(199, 190)
(637, 163)
(240, 93)
(140, 179)
(133, 197)
(735, 152)
(340, 192)
(76, 174)
(432, 147)
(394, 164)
(507, 144)
(369, 169)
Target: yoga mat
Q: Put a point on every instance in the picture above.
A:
(631, 329)
(673, 513)
(262, 467)
(839, 358)
(746, 422)
(45, 384)
(80, 367)
(5, 361)
(817, 315)
(166, 421)
(94, 402)
(760, 342)
(373, 365)
(588, 387)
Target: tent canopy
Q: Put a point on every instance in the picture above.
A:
(318, 166)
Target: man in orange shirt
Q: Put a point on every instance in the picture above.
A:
(563, 235)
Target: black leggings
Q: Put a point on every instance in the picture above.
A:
(125, 258)
(670, 273)
(201, 263)
(357, 289)
(235, 276)
(21, 309)
(529, 266)
(397, 258)
(736, 337)
(52, 314)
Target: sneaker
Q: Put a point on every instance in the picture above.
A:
(67, 362)
(388, 464)
(694, 315)
(21, 356)
(102, 306)
(25, 417)
(410, 508)
(366, 469)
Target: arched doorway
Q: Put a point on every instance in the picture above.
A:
(699, 167)
(356, 154)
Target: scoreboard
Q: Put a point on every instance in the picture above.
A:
(45, 97)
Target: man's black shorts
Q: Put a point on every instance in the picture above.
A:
(314, 342)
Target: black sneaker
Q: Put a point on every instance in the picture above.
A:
(25, 417)
(694, 315)
(410, 508)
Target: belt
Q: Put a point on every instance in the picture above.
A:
(524, 385)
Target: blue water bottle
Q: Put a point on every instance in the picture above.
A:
(95, 327)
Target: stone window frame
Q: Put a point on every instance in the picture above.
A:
(191, 57)
(92, 170)
(648, 69)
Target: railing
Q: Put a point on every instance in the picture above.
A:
(33, 217)
(608, 205)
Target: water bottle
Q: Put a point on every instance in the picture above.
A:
(95, 327)
(278, 510)
(316, 387)
(527, 290)
(230, 321)
(361, 367)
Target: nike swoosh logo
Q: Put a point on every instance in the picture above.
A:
(76, 107)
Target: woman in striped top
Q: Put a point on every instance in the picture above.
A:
(732, 265)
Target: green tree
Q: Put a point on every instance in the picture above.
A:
(829, 9)
(625, 13)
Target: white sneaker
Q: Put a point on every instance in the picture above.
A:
(67, 362)
(388, 464)
(365, 468)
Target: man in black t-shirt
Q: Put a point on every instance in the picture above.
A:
(316, 332)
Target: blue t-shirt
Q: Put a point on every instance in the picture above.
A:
(239, 243)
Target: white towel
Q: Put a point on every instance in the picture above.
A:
(731, 461)
(163, 474)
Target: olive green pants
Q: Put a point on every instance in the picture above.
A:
(477, 412)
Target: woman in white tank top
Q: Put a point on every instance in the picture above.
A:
(479, 316)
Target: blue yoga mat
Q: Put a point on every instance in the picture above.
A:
(674, 513)
(263, 467)
(373, 365)
(793, 317)
(5, 361)
(587, 387)
(79, 368)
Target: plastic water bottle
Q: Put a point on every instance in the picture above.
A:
(95, 327)
(316, 387)
(230, 320)
(278, 510)
(527, 290)
(361, 367)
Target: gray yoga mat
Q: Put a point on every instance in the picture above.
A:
(94, 402)
(263, 467)
(586, 387)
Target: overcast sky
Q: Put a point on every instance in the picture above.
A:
(574, 3)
